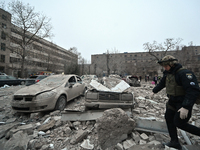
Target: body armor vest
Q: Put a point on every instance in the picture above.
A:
(172, 88)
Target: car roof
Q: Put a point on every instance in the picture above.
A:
(35, 76)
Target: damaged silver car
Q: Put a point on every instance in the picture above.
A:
(51, 93)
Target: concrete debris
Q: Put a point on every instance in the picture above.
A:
(128, 143)
(80, 135)
(122, 86)
(115, 85)
(144, 136)
(19, 140)
(113, 129)
(86, 144)
(98, 86)
(118, 146)
(87, 115)
(110, 129)
(47, 126)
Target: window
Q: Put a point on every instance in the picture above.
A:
(72, 80)
(4, 17)
(3, 46)
(2, 59)
(78, 79)
(135, 55)
(4, 25)
(3, 35)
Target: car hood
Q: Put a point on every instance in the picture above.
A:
(35, 89)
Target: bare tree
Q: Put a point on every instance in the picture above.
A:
(28, 26)
(75, 51)
(108, 61)
(169, 44)
(2, 5)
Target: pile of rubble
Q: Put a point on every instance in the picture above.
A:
(114, 130)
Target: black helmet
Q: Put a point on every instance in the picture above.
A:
(168, 60)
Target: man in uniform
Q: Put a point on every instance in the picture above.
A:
(182, 90)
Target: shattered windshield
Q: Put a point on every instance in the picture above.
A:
(53, 80)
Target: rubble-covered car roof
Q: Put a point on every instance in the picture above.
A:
(51, 93)
(104, 97)
(46, 84)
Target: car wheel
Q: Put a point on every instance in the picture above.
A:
(61, 103)
(22, 83)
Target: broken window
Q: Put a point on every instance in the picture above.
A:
(3, 35)
(72, 80)
(2, 59)
(4, 25)
(4, 17)
(3, 46)
(79, 79)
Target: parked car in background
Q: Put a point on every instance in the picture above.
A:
(51, 93)
(102, 99)
(10, 80)
(3, 74)
(34, 79)
(90, 76)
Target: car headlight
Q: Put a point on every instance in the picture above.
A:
(45, 95)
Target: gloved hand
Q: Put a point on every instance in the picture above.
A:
(183, 113)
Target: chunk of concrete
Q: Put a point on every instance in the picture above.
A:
(112, 125)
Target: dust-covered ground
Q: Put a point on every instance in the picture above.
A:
(60, 135)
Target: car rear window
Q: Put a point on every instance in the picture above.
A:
(41, 77)
(33, 77)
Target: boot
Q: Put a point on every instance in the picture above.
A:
(173, 144)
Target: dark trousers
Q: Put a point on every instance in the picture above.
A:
(173, 120)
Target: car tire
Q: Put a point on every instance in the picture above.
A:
(61, 103)
(22, 83)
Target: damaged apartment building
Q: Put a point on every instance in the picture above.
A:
(142, 63)
(42, 55)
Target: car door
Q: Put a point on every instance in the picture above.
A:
(80, 85)
(72, 88)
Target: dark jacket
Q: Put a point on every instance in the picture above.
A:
(188, 81)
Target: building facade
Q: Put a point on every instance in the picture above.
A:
(142, 63)
(41, 55)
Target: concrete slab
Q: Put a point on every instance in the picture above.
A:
(68, 115)
(98, 86)
(122, 86)
(191, 147)
(151, 126)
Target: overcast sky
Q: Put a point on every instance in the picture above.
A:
(95, 26)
